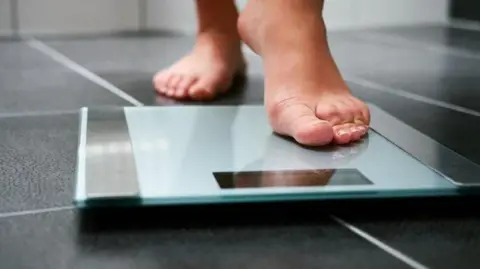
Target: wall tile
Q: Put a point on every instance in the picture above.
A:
(176, 15)
(179, 15)
(77, 16)
(5, 27)
(374, 13)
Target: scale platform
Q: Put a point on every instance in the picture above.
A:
(182, 155)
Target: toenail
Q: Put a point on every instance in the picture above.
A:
(342, 132)
(359, 122)
(360, 129)
(180, 93)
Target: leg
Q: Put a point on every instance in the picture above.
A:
(211, 66)
(305, 95)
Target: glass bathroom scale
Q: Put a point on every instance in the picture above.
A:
(180, 155)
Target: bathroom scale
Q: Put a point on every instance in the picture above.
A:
(181, 155)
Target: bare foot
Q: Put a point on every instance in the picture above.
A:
(205, 72)
(305, 95)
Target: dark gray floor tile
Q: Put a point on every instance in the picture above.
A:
(123, 55)
(443, 238)
(131, 63)
(55, 240)
(37, 161)
(45, 90)
(436, 75)
(455, 130)
(17, 55)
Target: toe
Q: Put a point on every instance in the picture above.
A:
(204, 89)
(300, 122)
(174, 81)
(201, 93)
(172, 78)
(349, 132)
(363, 113)
(349, 116)
(163, 90)
(330, 113)
(184, 85)
(311, 131)
(343, 133)
(160, 81)
(180, 94)
(357, 131)
(170, 92)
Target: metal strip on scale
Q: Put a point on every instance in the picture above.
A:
(110, 170)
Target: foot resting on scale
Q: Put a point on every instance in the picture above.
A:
(305, 95)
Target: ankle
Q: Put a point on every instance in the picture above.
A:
(275, 24)
(218, 37)
(217, 17)
(218, 32)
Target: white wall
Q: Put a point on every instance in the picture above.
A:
(5, 27)
(97, 16)
(178, 15)
(77, 16)
(372, 13)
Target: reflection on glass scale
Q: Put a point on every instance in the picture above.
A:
(192, 154)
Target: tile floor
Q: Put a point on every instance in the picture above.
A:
(426, 76)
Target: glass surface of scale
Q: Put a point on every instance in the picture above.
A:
(221, 154)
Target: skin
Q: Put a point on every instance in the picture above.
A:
(306, 97)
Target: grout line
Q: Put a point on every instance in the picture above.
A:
(14, 20)
(405, 94)
(142, 15)
(409, 95)
(394, 39)
(35, 211)
(397, 254)
(57, 56)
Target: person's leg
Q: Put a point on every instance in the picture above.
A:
(211, 66)
(305, 95)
